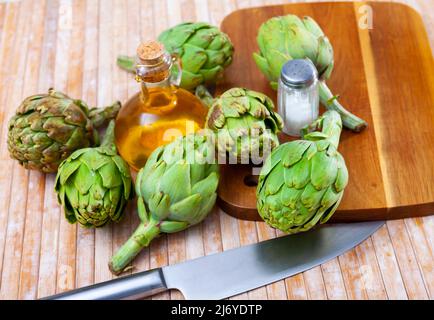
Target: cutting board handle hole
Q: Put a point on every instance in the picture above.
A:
(251, 180)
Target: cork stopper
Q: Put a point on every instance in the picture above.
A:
(154, 62)
(150, 51)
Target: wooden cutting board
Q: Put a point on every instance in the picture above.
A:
(386, 76)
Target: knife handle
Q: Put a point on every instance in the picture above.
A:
(136, 286)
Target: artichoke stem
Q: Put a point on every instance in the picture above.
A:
(141, 238)
(100, 116)
(333, 128)
(127, 63)
(109, 137)
(349, 120)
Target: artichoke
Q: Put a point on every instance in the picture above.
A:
(245, 123)
(47, 128)
(204, 50)
(94, 184)
(176, 189)
(302, 182)
(288, 37)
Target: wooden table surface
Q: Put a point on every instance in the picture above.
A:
(73, 45)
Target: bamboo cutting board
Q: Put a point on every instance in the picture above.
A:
(385, 75)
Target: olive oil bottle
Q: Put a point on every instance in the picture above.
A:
(161, 111)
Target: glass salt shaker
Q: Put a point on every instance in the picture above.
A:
(298, 95)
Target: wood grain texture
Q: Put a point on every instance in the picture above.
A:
(72, 45)
(386, 159)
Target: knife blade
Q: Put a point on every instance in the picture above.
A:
(231, 272)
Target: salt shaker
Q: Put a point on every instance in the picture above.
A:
(298, 95)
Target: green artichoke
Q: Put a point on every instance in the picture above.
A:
(288, 37)
(302, 182)
(176, 189)
(204, 50)
(47, 128)
(245, 123)
(94, 184)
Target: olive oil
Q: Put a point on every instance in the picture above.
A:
(158, 114)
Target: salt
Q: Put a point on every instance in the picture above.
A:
(298, 96)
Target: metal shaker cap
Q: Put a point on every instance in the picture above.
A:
(299, 73)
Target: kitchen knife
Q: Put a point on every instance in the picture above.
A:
(231, 272)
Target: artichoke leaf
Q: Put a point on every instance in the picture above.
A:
(219, 42)
(111, 203)
(311, 151)
(141, 210)
(116, 214)
(174, 153)
(97, 190)
(311, 222)
(69, 169)
(110, 175)
(69, 213)
(214, 58)
(271, 162)
(159, 205)
(311, 197)
(125, 175)
(302, 214)
(186, 209)
(149, 181)
(325, 55)
(68, 192)
(308, 42)
(83, 178)
(290, 197)
(257, 109)
(94, 159)
(190, 80)
(327, 72)
(294, 151)
(233, 107)
(83, 221)
(312, 26)
(83, 202)
(275, 180)
(299, 173)
(273, 204)
(263, 65)
(176, 37)
(155, 156)
(276, 59)
(77, 154)
(193, 58)
(176, 181)
(211, 75)
(207, 205)
(270, 39)
(290, 20)
(207, 186)
(324, 170)
(234, 92)
(173, 226)
(203, 37)
(327, 215)
(342, 177)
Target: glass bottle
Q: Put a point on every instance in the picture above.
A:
(161, 111)
(298, 95)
